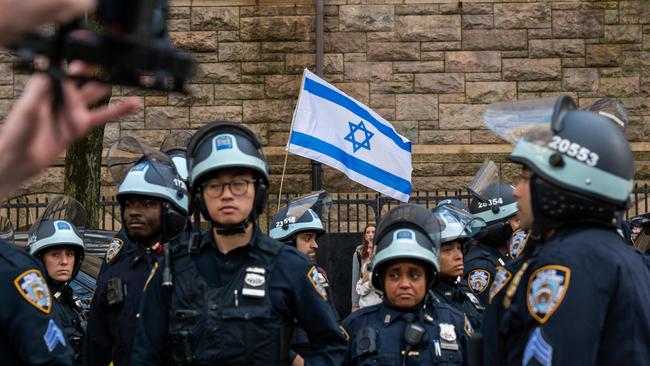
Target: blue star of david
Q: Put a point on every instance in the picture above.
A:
(356, 145)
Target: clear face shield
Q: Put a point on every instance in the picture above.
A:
(318, 201)
(6, 230)
(175, 146)
(408, 216)
(484, 182)
(612, 109)
(457, 224)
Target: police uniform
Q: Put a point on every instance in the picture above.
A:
(30, 335)
(377, 336)
(115, 305)
(459, 296)
(70, 316)
(576, 301)
(237, 308)
(480, 268)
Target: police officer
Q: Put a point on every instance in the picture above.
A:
(493, 202)
(300, 228)
(59, 245)
(580, 297)
(406, 328)
(235, 291)
(31, 334)
(458, 227)
(153, 202)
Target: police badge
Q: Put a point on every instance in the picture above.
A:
(113, 249)
(254, 282)
(517, 243)
(33, 288)
(501, 278)
(478, 280)
(547, 287)
(447, 332)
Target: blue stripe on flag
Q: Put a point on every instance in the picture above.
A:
(355, 164)
(335, 97)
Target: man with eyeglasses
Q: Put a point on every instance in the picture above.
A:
(235, 291)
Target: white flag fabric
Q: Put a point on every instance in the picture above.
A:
(331, 127)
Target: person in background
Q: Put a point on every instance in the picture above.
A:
(360, 254)
(368, 295)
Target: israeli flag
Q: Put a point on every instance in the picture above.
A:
(331, 127)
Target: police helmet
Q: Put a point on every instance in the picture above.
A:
(582, 164)
(222, 145)
(150, 173)
(457, 224)
(453, 202)
(407, 231)
(287, 227)
(56, 228)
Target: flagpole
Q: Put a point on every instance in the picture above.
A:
(284, 168)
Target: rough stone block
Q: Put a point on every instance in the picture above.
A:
(6, 73)
(238, 91)
(282, 86)
(473, 61)
(494, 39)
(262, 68)
(200, 94)
(394, 87)
(345, 42)
(603, 55)
(408, 129)
(288, 47)
(491, 91)
(441, 46)
(281, 28)
(267, 110)
(623, 33)
(444, 137)
(215, 18)
(521, 15)
(333, 63)
(383, 100)
(367, 18)
(418, 66)
(6, 91)
(358, 91)
(223, 72)
(368, 71)
(382, 37)
(534, 86)
(201, 115)
(417, 107)
(531, 69)
(478, 21)
(393, 51)
(440, 83)
(461, 116)
(417, 9)
(297, 62)
(578, 23)
(167, 117)
(239, 51)
(580, 79)
(428, 27)
(619, 87)
(485, 137)
(195, 41)
(544, 48)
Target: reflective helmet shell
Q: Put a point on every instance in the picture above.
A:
(501, 205)
(284, 228)
(144, 179)
(55, 233)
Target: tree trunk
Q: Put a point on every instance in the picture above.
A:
(83, 164)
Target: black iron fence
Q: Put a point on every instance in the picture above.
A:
(347, 213)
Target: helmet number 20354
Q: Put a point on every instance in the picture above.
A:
(573, 150)
(491, 202)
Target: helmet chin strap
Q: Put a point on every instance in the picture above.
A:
(235, 229)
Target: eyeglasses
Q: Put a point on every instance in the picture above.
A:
(238, 187)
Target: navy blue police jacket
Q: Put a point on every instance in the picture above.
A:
(111, 325)
(236, 308)
(29, 335)
(457, 294)
(480, 267)
(581, 298)
(377, 335)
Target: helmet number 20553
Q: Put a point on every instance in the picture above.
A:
(574, 150)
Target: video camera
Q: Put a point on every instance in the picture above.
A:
(127, 39)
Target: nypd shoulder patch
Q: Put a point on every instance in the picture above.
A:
(113, 249)
(318, 281)
(478, 280)
(517, 243)
(501, 278)
(547, 287)
(32, 287)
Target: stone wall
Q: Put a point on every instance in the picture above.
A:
(430, 68)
